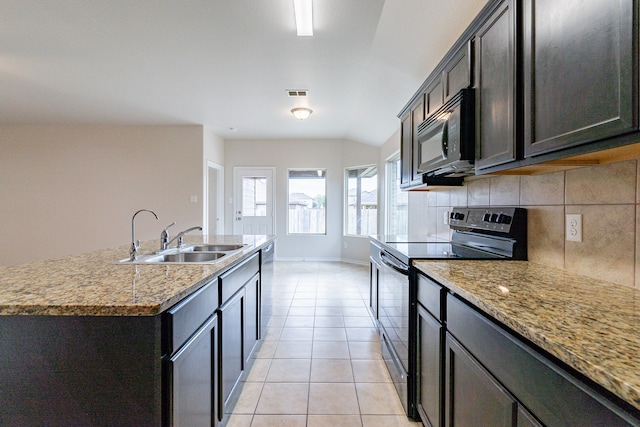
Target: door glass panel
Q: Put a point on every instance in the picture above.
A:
(254, 196)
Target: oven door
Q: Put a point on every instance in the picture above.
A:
(393, 317)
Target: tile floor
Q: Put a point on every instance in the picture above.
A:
(319, 364)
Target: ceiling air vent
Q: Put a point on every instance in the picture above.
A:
(297, 93)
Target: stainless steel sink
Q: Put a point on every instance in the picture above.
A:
(215, 247)
(185, 257)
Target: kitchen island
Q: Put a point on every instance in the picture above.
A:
(87, 340)
(587, 329)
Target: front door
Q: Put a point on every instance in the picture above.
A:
(253, 201)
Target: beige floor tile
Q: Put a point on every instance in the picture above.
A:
(259, 370)
(362, 334)
(331, 370)
(334, 421)
(368, 350)
(329, 322)
(289, 370)
(266, 350)
(283, 398)
(299, 322)
(272, 333)
(388, 421)
(293, 350)
(358, 322)
(327, 300)
(239, 420)
(328, 311)
(370, 371)
(302, 311)
(333, 398)
(330, 350)
(248, 399)
(329, 334)
(279, 421)
(378, 398)
(296, 334)
(355, 311)
(299, 302)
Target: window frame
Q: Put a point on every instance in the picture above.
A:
(345, 227)
(288, 224)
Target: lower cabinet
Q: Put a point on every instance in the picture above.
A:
(473, 397)
(231, 342)
(430, 336)
(251, 316)
(193, 375)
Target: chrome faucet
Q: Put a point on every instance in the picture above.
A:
(180, 235)
(164, 237)
(135, 244)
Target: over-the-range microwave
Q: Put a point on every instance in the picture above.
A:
(446, 139)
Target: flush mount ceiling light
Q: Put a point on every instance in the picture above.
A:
(303, 10)
(301, 113)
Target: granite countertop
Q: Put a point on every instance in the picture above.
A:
(591, 325)
(94, 284)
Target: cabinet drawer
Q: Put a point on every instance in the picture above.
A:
(549, 391)
(431, 295)
(234, 279)
(184, 318)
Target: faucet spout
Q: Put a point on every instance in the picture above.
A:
(180, 235)
(135, 244)
(164, 237)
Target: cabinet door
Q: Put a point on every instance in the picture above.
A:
(417, 117)
(495, 46)
(231, 340)
(578, 72)
(373, 291)
(192, 373)
(433, 97)
(406, 147)
(473, 397)
(457, 73)
(525, 419)
(251, 316)
(431, 336)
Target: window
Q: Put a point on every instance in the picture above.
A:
(254, 196)
(307, 201)
(396, 218)
(362, 201)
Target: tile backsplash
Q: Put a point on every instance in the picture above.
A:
(607, 196)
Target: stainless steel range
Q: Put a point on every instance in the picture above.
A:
(478, 233)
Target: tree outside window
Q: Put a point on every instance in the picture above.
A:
(362, 201)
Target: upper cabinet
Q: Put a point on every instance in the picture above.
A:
(578, 72)
(495, 86)
(408, 141)
(555, 82)
(457, 71)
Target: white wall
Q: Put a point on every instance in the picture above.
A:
(70, 189)
(334, 155)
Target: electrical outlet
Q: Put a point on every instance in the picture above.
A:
(573, 224)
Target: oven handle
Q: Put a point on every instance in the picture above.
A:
(391, 264)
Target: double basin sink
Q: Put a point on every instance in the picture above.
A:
(188, 254)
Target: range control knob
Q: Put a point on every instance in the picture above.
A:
(486, 217)
(457, 215)
(504, 219)
(494, 218)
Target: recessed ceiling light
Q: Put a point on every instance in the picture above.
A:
(304, 16)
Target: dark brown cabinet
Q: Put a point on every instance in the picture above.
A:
(579, 83)
(193, 373)
(474, 398)
(251, 316)
(429, 399)
(409, 155)
(433, 97)
(495, 88)
(457, 71)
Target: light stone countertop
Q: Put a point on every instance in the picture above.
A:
(591, 325)
(94, 284)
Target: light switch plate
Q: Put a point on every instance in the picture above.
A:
(573, 225)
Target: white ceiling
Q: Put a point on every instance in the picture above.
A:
(222, 63)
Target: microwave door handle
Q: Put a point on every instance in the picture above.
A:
(444, 142)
